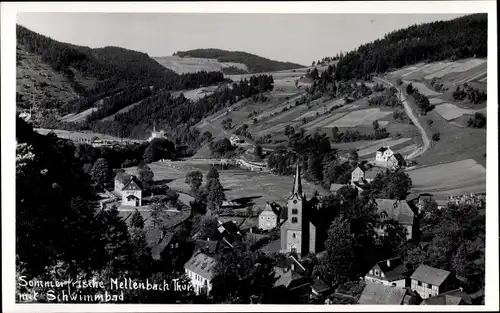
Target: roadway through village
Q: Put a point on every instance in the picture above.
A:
(425, 139)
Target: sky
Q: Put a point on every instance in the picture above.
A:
(298, 38)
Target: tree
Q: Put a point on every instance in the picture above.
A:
(289, 131)
(409, 89)
(391, 185)
(157, 213)
(436, 137)
(136, 220)
(159, 148)
(252, 272)
(100, 173)
(336, 267)
(146, 175)
(195, 180)
(376, 126)
(215, 193)
(212, 173)
(258, 151)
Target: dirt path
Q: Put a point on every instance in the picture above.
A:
(425, 139)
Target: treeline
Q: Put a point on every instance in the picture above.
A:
(326, 60)
(459, 38)
(254, 63)
(472, 94)
(356, 135)
(389, 98)
(477, 121)
(421, 100)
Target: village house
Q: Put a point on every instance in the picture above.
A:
(160, 242)
(364, 173)
(396, 161)
(291, 279)
(200, 269)
(452, 297)
(375, 293)
(235, 140)
(128, 188)
(388, 158)
(430, 282)
(395, 210)
(157, 134)
(268, 218)
(390, 272)
(383, 154)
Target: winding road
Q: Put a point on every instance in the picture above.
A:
(425, 139)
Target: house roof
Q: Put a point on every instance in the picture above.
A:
(288, 278)
(202, 265)
(452, 297)
(397, 210)
(371, 173)
(430, 275)
(398, 157)
(335, 187)
(132, 184)
(286, 262)
(208, 247)
(249, 222)
(382, 149)
(123, 177)
(272, 247)
(375, 293)
(393, 269)
(157, 249)
(268, 210)
(319, 286)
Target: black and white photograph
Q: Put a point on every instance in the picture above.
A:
(200, 159)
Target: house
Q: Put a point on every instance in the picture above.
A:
(268, 218)
(200, 269)
(121, 179)
(291, 279)
(452, 297)
(250, 224)
(319, 289)
(364, 173)
(132, 193)
(396, 210)
(208, 247)
(395, 161)
(235, 140)
(430, 282)
(160, 241)
(383, 154)
(157, 134)
(375, 293)
(335, 187)
(390, 272)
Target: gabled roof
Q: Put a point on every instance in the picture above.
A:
(382, 149)
(375, 293)
(319, 286)
(335, 187)
(397, 210)
(202, 265)
(430, 275)
(286, 262)
(249, 222)
(272, 247)
(398, 157)
(393, 269)
(289, 279)
(208, 247)
(132, 184)
(452, 297)
(123, 177)
(268, 210)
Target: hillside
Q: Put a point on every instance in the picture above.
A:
(190, 65)
(459, 38)
(254, 63)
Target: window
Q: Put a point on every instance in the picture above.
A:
(294, 220)
(293, 236)
(294, 201)
(393, 284)
(371, 272)
(295, 211)
(294, 250)
(424, 285)
(419, 283)
(377, 273)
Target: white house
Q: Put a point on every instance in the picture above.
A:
(268, 219)
(383, 154)
(390, 272)
(200, 270)
(132, 193)
(235, 140)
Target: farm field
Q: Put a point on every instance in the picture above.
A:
(362, 117)
(436, 101)
(73, 135)
(450, 112)
(78, 117)
(195, 94)
(450, 179)
(192, 65)
(422, 88)
(265, 187)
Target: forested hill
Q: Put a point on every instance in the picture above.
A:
(254, 63)
(459, 38)
(90, 74)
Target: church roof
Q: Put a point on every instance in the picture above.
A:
(297, 184)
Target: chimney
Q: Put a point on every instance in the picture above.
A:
(389, 263)
(292, 267)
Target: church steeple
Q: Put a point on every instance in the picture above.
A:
(297, 184)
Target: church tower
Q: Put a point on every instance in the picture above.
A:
(294, 232)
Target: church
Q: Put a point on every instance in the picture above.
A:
(301, 232)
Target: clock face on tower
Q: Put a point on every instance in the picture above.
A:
(295, 201)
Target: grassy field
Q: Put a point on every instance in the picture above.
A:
(357, 118)
(78, 117)
(450, 112)
(192, 65)
(74, 135)
(258, 187)
(450, 179)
